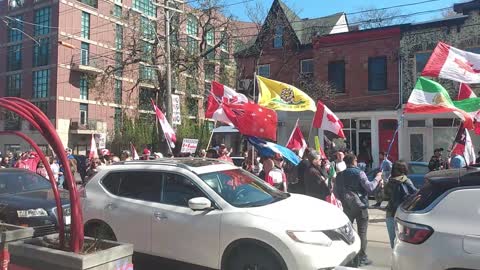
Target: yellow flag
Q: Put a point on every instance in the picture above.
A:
(283, 97)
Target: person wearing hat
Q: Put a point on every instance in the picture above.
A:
(276, 176)
(126, 155)
(146, 154)
(316, 177)
(436, 162)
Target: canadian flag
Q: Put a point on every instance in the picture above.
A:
(465, 92)
(297, 141)
(167, 129)
(451, 63)
(93, 149)
(325, 119)
(134, 152)
(222, 94)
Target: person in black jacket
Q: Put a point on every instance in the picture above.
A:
(316, 177)
(353, 180)
(301, 169)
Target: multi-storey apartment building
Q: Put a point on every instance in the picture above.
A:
(86, 63)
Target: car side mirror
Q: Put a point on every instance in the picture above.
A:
(199, 204)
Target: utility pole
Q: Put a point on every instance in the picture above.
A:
(168, 60)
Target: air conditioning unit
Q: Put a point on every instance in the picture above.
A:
(243, 85)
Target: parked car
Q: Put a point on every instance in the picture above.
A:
(417, 171)
(26, 199)
(216, 215)
(438, 227)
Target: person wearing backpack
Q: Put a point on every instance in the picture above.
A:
(398, 189)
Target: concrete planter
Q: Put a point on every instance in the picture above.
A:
(30, 255)
(12, 233)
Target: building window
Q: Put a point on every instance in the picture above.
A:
(118, 91)
(117, 11)
(416, 123)
(147, 28)
(41, 81)
(85, 25)
(42, 21)
(14, 85)
(192, 45)
(421, 60)
(145, 6)
(14, 59)
(41, 53)
(210, 35)
(147, 52)
(192, 26)
(209, 72)
(306, 66)
(118, 37)
(377, 73)
(42, 105)
(12, 121)
(83, 85)
(192, 105)
(144, 99)
(446, 122)
(336, 75)
(278, 37)
(15, 29)
(85, 53)
(83, 114)
(92, 3)
(224, 40)
(118, 120)
(118, 64)
(147, 74)
(264, 70)
(191, 86)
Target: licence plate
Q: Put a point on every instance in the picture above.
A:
(67, 220)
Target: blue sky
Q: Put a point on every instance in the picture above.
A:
(319, 8)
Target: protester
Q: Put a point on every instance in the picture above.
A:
(339, 164)
(81, 166)
(41, 170)
(11, 159)
(316, 177)
(436, 162)
(95, 165)
(223, 154)
(5, 162)
(398, 188)
(55, 167)
(275, 176)
(386, 169)
(105, 156)
(115, 159)
(267, 164)
(301, 169)
(158, 155)
(126, 155)
(457, 162)
(352, 188)
(146, 154)
(202, 153)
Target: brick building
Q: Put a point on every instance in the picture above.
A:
(421, 134)
(77, 41)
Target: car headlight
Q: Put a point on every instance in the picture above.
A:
(40, 212)
(314, 238)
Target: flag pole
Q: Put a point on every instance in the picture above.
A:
(393, 139)
(254, 101)
(211, 135)
(310, 130)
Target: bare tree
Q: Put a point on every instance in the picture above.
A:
(371, 17)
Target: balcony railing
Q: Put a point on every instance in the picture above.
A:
(84, 63)
(86, 126)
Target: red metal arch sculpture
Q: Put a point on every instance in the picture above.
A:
(40, 121)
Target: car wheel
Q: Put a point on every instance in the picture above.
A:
(100, 231)
(252, 258)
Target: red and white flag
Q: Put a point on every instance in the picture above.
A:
(222, 94)
(451, 63)
(465, 92)
(167, 129)
(325, 119)
(252, 119)
(93, 149)
(134, 152)
(464, 146)
(297, 141)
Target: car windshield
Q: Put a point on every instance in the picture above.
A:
(242, 189)
(17, 182)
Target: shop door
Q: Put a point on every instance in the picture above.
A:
(386, 130)
(417, 146)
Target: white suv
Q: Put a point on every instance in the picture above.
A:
(213, 214)
(439, 228)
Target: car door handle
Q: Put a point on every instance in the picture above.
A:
(110, 206)
(160, 216)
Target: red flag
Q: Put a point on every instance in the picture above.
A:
(134, 152)
(93, 149)
(465, 92)
(252, 119)
(167, 129)
(297, 141)
(222, 94)
(325, 119)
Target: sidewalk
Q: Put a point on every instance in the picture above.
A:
(378, 250)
